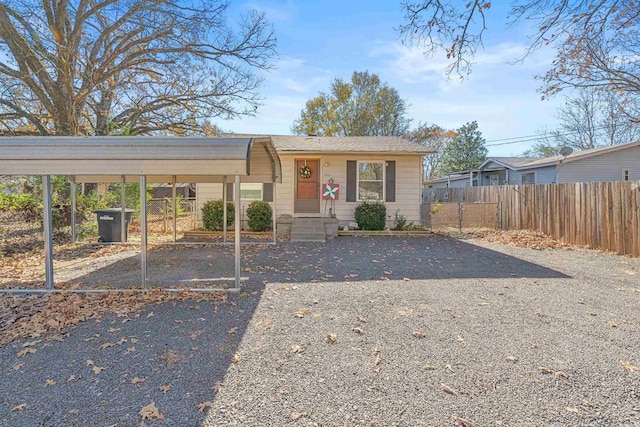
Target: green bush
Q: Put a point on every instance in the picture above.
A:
(213, 215)
(259, 216)
(371, 216)
(400, 222)
(26, 204)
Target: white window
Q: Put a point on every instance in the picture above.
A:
(250, 191)
(528, 178)
(626, 175)
(371, 181)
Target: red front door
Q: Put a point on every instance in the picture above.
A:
(307, 189)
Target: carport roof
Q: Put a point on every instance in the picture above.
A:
(101, 159)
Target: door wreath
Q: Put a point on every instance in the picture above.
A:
(305, 171)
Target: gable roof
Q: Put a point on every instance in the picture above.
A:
(509, 162)
(346, 144)
(578, 155)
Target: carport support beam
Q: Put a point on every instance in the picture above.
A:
(48, 230)
(123, 208)
(275, 240)
(175, 207)
(143, 229)
(236, 191)
(225, 196)
(73, 209)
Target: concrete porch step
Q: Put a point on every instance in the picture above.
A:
(307, 230)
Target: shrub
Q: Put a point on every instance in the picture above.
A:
(259, 216)
(371, 216)
(400, 222)
(213, 215)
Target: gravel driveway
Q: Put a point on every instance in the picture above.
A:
(357, 332)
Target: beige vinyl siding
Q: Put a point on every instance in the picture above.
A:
(408, 188)
(602, 167)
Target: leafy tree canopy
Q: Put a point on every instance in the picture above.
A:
(436, 138)
(363, 106)
(465, 151)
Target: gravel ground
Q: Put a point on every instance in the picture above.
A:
(357, 332)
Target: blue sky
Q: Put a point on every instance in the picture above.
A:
(319, 41)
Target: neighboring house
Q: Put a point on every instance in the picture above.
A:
(385, 169)
(612, 163)
(165, 190)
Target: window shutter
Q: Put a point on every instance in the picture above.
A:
(230, 192)
(390, 184)
(267, 192)
(352, 170)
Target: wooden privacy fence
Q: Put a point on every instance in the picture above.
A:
(601, 215)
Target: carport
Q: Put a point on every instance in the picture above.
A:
(144, 160)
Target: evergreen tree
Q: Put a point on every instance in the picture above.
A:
(465, 151)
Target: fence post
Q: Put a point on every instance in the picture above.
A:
(166, 206)
(460, 217)
(500, 214)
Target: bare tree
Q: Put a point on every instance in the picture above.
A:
(73, 67)
(594, 119)
(436, 138)
(597, 42)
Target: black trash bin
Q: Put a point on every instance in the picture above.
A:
(109, 221)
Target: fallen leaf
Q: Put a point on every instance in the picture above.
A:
(418, 334)
(235, 358)
(26, 351)
(150, 315)
(150, 412)
(361, 319)
(357, 330)
(448, 389)
(429, 367)
(612, 323)
(106, 345)
(233, 330)
(629, 367)
(297, 349)
(204, 405)
(130, 350)
(301, 312)
(572, 409)
(112, 330)
(297, 415)
(406, 279)
(71, 378)
(31, 343)
(544, 370)
(378, 360)
(511, 359)
(331, 338)
(17, 366)
(134, 340)
(462, 422)
(89, 362)
(562, 374)
(137, 380)
(588, 404)
(165, 388)
(630, 272)
(49, 382)
(96, 369)
(20, 407)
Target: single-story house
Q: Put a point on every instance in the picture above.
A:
(354, 169)
(612, 163)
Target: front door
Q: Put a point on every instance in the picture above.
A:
(307, 189)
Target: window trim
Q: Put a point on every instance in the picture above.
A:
(252, 199)
(535, 178)
(626, 171)
(384, 180)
